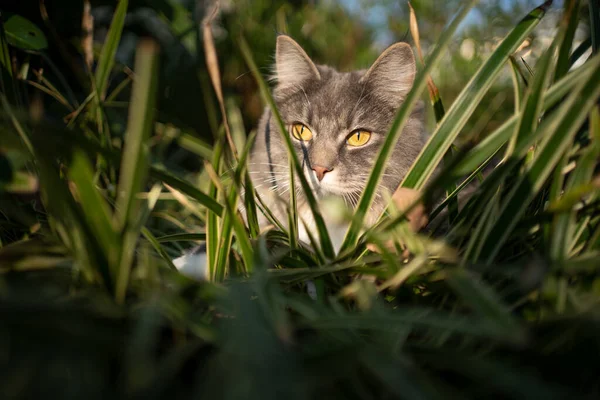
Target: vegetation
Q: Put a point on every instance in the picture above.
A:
(107, 173)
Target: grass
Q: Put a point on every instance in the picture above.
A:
(503, 304)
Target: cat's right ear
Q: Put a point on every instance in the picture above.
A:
(293, 67)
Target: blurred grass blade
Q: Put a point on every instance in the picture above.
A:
(106, 61)
(324, 238)
(135, 161)
(485, 302)
(464, 105)
(396, 130)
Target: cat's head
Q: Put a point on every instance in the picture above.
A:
(338, 120)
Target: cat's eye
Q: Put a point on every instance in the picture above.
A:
(358, 138)
(301, 132)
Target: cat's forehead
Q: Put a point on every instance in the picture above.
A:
(336, 82)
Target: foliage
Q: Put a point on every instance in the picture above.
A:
(497, 298)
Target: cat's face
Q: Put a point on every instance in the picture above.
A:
(338, 121)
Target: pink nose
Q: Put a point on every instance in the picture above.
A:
(321, 171)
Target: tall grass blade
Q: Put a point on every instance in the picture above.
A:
(213, 232)
(464, 105)
(595, 25)
(533, 102)
(212, 63)
(135, 161)
(396, 130)
(95, 210)
(501, 135)
(106, 61)
(558, 135)
(569, 22)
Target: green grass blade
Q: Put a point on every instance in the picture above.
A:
(292, 211)
(204, 199)
(533, 102)
(109, 50)
(158, 248)
(559, 134)
(95, 210)
(324, 238)
(396, 130)
(564, 227)
(135, 160)
(129, 240)
(595, 25)
(195, 145)
(501, 135)
(182, 237)
(580, 51)
(569, 23)
(212, 218)
(462, 108)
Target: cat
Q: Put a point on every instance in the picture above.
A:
(337, 122)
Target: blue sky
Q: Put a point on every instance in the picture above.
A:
(376, 15)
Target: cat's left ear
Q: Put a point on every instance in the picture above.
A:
(293, 67)
(393, 73)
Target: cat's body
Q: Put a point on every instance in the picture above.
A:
(333, 105)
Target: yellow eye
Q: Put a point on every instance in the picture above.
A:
(358, 138)
(301, 132)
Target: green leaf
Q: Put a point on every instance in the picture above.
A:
(23, 34)
(466, 102)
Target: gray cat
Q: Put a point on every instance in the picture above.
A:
(337, 121)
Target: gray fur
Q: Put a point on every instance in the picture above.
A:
(333, 104)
